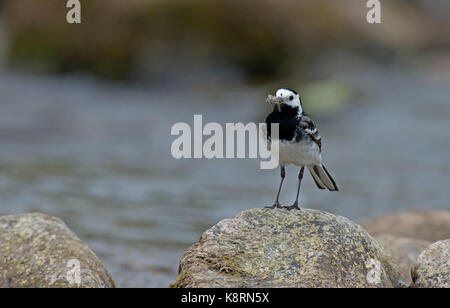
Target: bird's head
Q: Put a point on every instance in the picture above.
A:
(285, 97)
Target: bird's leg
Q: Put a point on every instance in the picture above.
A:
(277, 202)
(300, 177)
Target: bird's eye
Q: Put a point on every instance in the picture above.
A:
(291, 97)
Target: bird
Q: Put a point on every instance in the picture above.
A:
(300, 143)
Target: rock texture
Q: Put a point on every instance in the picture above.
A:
(404, 251)
(38, 251)
(432, 268)
(429, 225)
(280, 248)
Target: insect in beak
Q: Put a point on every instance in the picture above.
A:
(274, 101)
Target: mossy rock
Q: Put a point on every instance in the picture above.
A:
(280, 248)
(38, 251)
(432, 268)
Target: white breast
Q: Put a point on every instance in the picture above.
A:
(304, 153)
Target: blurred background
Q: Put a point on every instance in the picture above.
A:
(86, 112)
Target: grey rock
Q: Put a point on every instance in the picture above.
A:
(432, 268)
(428, 225)
(404, 251)
(38, 251)
(280, 248)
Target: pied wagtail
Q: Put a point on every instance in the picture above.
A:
(299, 142)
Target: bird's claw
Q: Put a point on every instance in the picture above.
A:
(293, 207)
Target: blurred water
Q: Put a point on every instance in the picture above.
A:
(98, 156)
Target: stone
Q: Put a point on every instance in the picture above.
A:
(432, 268)
(428, 225)
(38, 251)
(280, 248)
(404, 251)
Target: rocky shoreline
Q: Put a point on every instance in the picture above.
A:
(255, 248)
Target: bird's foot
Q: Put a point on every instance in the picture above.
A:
(276, 205)
(293, 207)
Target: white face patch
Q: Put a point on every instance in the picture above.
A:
(286, 95)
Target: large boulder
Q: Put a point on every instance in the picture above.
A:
(38, 251)
(432, 268)
(429, 225)
(404, 251)
(280, 248)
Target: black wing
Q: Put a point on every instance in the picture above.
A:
(307, 127)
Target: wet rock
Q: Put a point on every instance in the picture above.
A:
(38, 251)
(432, 268)
(280, 248)
(428, 225)
(404, 251)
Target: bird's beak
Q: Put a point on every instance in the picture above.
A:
(275, 101)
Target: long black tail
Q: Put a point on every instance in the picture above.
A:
(323, 178)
